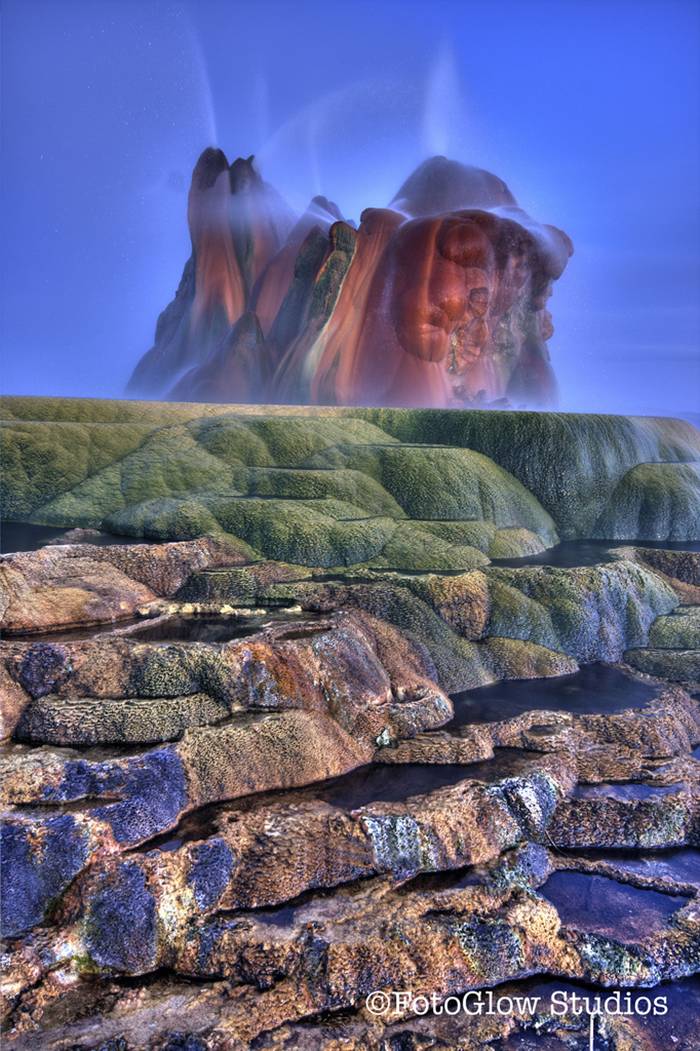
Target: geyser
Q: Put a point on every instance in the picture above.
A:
(438, 300)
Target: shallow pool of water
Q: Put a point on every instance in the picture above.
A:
(629, 791)
(376, 783)
(395, 782)
(681, 864)
(589, 902)
(533, 1041)
(25, 536)
(676, 1028)
(572, 553)
(596, 688)
(217, 628)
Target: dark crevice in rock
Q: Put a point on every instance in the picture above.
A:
(432, 882)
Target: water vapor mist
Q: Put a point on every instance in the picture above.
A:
(443, 111)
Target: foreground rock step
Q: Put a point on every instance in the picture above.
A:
(484, 926)
(302, 706)
(266, 853)
(445, 829)
(83, 585)
(586, 748)
(158, 891)
(171, 1013)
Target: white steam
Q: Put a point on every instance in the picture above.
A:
(443, 113)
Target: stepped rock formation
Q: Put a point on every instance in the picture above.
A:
(438, 300)
(356, 722)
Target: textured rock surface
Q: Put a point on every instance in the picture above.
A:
(654, 501)
(679, 665)
(213, 906)
(179, 862)
(504, 623)
(172, 1013)
(452, 282)
(571, 462)
(681, 569)
(506, 482)
(319, 699)
(75, 585)
(679, 631)
(232, 817)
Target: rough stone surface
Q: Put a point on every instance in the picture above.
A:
(676, 665)
(230, 819)
(505, 623)
(654, 501)
(284, 708)
(681, 569)
(679, 631)
(82, 584)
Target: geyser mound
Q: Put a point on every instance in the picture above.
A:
(438, 300)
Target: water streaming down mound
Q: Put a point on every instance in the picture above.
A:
(456, 298)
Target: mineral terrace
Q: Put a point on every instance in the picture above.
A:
(299, 705)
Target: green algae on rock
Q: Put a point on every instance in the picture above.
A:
(675, 665)
(653, 501)
(174, 472)
(679, 631)
(571, 462)
(567, 615)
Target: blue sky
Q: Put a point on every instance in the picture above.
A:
(589, 110)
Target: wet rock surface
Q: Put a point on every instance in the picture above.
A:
(242, 794)
(72, 585)
(224, 888)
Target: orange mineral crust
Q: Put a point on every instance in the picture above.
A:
(333, 369)
(439, 300)
(218, 278)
